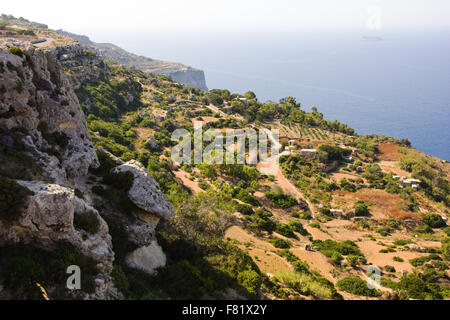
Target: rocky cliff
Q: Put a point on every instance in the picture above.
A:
(185, 75)
(45, 149)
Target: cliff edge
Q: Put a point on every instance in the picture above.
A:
(185, 75)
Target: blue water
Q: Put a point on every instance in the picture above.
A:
(398, 87)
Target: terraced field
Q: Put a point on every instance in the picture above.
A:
(306, 133)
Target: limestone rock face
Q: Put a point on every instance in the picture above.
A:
(85, 64)
(40, 111)
(116, 160)
(190, 77)
(141, 233)
(38, 99)
(145, 192)
(47, 218)
(147, 258)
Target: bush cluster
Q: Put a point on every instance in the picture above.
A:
(357, 287)
(281, 200)
(12, 198)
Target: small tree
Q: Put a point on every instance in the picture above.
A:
(362, 208)
(250, 95)
(434, 220)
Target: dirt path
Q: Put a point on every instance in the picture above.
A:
(288, 187)
(215, 109)
(284, 183)
(44, 43)
(184, 177)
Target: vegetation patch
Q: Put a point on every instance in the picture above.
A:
(87, 222)
(434, 220)
(12, 198)
(280, 243)
(281, 200)
(305, 281)
(21, 267)
(357, 287)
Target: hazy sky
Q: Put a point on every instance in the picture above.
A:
(92, 16)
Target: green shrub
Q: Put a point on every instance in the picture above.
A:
(21, 267)
(345, 248)
(398, 259)
(261, 220)
(203, 185)
(417, 262)
(402, 242)
(305, 281)
(120, 280)
(55, 138)
(246, 210)
(251, 282)
(336, 258)
(354, 260)
(119, 180)
(425, 229)
(244, 196)
(298, 227)
(306, 215)
(22, 271)
(417, 288)
(362, 208)
(12, 198)
(285, 230)
(120, 238)
(447, 231)
(434, 220)
(280, 243)
(390, 269)
(281, 200)
(331, 153)
(200, 260)
(87, 222)
(16, 51)
(357, 287)
(385, 231)
(79, 194)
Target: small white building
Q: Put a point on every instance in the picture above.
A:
(244, 101)
(413, 183)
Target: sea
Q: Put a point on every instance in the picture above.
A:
(394, 83)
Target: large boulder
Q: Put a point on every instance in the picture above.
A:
(145, 192)
(147, 259)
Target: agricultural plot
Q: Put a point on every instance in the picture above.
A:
(311, 134)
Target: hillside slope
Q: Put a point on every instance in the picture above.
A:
(86, 178)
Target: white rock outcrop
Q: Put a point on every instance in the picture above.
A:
(145, 192)
(147, 259)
